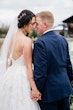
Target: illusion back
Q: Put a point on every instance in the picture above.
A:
(19, 61)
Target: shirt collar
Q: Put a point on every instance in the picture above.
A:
(48, 31)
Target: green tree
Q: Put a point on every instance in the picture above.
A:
(33, 34)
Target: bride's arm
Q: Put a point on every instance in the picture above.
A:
(27, 51)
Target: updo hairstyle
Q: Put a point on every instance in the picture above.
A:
(24, 18)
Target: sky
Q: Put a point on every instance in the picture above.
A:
(61, 9)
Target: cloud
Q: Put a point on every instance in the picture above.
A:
(18, 4)
(60, 8)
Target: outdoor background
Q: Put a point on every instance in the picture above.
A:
(63, 14)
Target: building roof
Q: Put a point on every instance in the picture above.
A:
(69, 20)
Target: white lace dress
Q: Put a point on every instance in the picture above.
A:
(15, 88)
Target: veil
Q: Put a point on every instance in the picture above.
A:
(5, 47)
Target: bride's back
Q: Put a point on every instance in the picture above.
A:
(17, 45)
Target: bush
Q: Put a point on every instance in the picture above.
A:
(3, 32)
(33, 34)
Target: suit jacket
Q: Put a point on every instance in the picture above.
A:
(52, 67)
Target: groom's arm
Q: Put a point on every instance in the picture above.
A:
(40, 65)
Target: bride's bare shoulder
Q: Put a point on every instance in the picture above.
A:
(27, 41)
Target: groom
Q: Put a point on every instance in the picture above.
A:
(52, 65)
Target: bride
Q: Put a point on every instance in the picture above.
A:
(17, 87)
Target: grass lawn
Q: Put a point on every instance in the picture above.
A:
(70, 42)
(71, 107)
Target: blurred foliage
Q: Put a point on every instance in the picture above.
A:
(33, 34)
(3, 31)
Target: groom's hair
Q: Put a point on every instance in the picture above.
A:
(46, 15)
(24, 18)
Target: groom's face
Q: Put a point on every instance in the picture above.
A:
(40, 27)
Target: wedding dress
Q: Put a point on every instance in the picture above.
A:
(15, 88)
(14, 84)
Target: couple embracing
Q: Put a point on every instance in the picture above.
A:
(47, 87)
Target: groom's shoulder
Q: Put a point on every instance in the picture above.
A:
(39, 40)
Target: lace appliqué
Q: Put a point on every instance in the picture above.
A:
(9, 62)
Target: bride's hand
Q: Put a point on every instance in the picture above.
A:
(35, 94)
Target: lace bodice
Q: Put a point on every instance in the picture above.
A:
(19, 61)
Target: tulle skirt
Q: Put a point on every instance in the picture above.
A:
(15, 90)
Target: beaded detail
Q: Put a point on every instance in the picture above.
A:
(23, 14)
(9, 60)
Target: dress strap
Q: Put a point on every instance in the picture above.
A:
(12, 48)
(11, 52)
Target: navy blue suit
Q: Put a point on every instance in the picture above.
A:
(52, 68)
